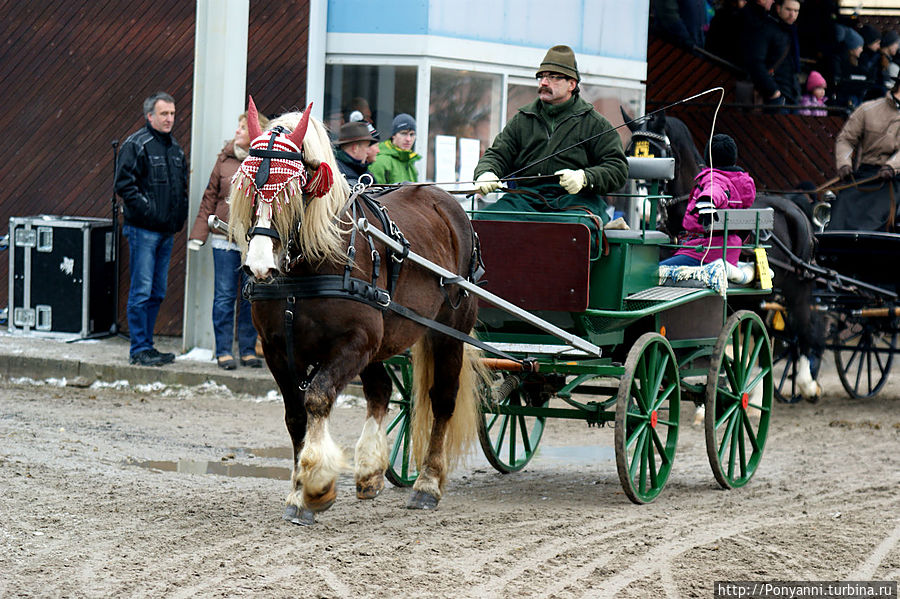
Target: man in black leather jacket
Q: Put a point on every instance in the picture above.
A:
(151, 179)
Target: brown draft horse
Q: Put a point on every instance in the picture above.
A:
(334, 339)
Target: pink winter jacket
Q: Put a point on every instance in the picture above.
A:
(727, 189)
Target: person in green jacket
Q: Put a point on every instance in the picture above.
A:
(396, 160)
(573, 179)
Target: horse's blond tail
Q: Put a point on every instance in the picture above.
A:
(462, 430)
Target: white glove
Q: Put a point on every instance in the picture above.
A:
(572, 181)
(194, 245)
(486, 183)
(705, 212)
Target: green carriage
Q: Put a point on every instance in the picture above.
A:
(589, 325)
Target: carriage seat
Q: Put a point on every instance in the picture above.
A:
(651, 169)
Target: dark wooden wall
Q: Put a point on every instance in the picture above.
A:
(73, 76)
(780, 151)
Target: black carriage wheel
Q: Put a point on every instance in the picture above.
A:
(739, 391)
(863, 355)
(785, 354)
(647, 412)
(401, 470)
(509, 441)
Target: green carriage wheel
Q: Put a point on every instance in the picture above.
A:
(401, 470)
(647, 413)
(508, 440)
(739, 392)
(863, 356)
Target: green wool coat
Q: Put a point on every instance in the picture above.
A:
(393, 165)
(534, 133)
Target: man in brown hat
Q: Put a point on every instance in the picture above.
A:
(352, 150)
(544, 136)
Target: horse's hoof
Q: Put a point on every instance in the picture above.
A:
(370, 489)
(419, 500)
(322, 501)
(300, 516)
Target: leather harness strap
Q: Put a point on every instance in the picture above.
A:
(333, 286)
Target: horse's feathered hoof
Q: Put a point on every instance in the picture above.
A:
(322, 501)
(371, 488)
(419, 500)
(300, 516)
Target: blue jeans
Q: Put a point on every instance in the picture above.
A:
(229, 279)
(681, 260)
(149, 263)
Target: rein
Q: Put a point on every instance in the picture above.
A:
(345, 286)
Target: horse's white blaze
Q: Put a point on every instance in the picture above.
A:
(371, 450)
(261, 252)
(321, 459)
(807, 386)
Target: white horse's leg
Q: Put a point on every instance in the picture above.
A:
(699, 414)
(319, 463)
(808, 387)
(371, 459)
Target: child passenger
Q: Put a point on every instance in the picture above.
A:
(721, 185)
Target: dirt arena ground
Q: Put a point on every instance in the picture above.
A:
(84, 514)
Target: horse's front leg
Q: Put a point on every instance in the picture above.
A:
(371, 458)
(321, 459)
(295, 420)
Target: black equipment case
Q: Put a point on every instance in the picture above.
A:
(61, 275)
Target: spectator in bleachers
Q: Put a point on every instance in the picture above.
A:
(890, 43)
(815, 85)
(871, 47)
(724, 29)
(772, 55)
(682, 22)
(851, 79)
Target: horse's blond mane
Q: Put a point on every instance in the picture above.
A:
(319, 234)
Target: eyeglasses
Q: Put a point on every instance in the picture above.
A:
(550, 76)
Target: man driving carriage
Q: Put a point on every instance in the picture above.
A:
(540, 144)
(873, 133)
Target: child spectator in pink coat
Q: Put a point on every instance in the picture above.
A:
(815, 85)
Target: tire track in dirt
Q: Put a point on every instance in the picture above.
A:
(866, 570)
(673, 549)
(562, 574)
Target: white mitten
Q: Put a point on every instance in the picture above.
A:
(572, 181)
(195, 244)
(486, 183)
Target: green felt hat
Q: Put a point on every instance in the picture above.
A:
(560, 59)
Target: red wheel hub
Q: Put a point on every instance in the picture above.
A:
(745, 400)
(653, 419)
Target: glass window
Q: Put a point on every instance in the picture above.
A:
(379, 92)
(517, 96)
(606, 100)
(465, 112)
